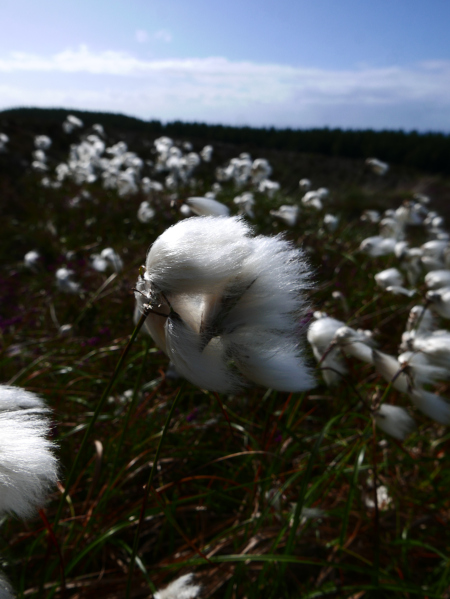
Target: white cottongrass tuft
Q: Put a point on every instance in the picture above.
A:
(181, 588)
(145, 212)
(287, 214)
(6, 591)
(440, 301)
(391, 370)
(436, 279)
(31, 259)
(227, 306)
(389, 277)
(28, 467)
(378, 246)
(331, 222)
(394, 421)
(207, 207)
(64, 281)
(377, 166)
(432, 405)
(321, 336)
(357, 344)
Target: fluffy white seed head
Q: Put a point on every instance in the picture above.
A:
(432, 405)
(436, 279)
(353, 343)
(389, 277)
(394, 421)
(31, 259)
(145, 212)
(181, 588)
(28, 467)
(440, 301)
(390, 369)
(320, 336)
(377, 166)
(64, 281)
(6, 591)
(287, 214)
(207, 207)
(378, 246)
(229, 304)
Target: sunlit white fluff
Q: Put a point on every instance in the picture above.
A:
(399, 290)
(320, 335)
(31, 259)
(42, 142)
(421, 369)
(261, 170)
(392, 228)
(390, 369)
(371, 216)
(181, 588)
(6, 591)
(435, 346)
(421, 320)
(4, 139)
(437, 279)
(28, 467)
(331, 222)
(145, 212)
(64, 281)
(357, 344)
(305, 184)
(287, 214)
(270, 188)
(227, 297)
(113, 259)
(377, 166)
(432, 405)
(389, 277)
(71, 123)
(207, 207)
(394, 421)
(378, 246)
(440, 301)
(147, 185)
(206, 153)
(411, 262)
(433, 254)
(313, 199)
(245, 202)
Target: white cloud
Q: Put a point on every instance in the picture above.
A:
(163, 35)
(217, 89)
(141, 36)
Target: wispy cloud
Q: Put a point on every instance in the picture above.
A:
(217, 89)
(163, 35)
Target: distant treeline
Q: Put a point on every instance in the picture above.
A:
(425, 151)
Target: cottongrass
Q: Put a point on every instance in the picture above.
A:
(181, 588)
(28, 465)
(220, 295)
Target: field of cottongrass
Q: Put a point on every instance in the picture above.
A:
(258, 493)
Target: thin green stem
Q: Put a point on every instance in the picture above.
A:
(93, 420)
(147, 492)
(131, 407)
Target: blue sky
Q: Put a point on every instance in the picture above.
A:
(315, 63)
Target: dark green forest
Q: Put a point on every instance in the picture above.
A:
(425, 151)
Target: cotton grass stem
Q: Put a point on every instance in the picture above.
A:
(96, 414)
(131, 407)
(147, 491)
